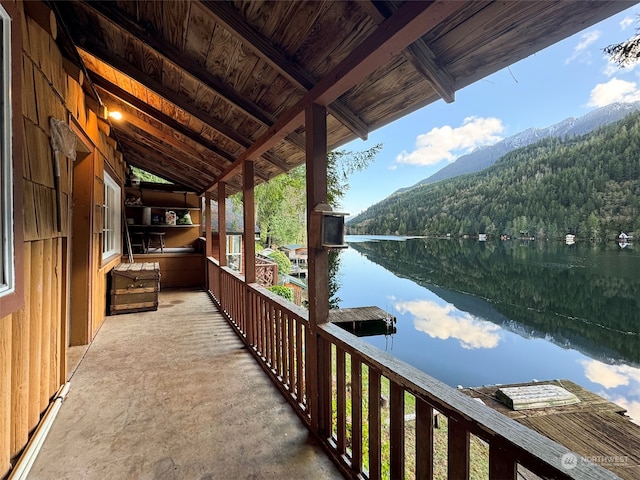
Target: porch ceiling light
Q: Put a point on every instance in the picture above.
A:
(115, 115)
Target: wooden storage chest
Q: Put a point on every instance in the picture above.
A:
(135, 287)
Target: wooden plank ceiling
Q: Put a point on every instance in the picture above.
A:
(204, 85)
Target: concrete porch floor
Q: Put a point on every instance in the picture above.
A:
(174, 394)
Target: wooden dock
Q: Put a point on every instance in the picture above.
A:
(595, 428)
(364, 321)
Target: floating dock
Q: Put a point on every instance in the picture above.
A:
(364, 321)
(593, 427)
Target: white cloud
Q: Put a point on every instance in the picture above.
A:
(614, 90)
(580, 51)
(448, 143)
(446, 321)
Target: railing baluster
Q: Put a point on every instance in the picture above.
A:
(458, 451)
(424, 440)
(341, 401)
(356, 414)
(502, 464)
(272, 319)
(299, 360)
(263, 324)
(375, 442)
(396, 425)
(324, 381)
(286, 348)
(277, 340)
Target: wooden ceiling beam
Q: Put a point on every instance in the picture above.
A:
(166, 149)
(128, 26)
(201, 165)
(115, 93)
(145, 158)
(105, 55)
(226, 15)
(133, 120)
(418, 53)
(122, 95)
(408, 23)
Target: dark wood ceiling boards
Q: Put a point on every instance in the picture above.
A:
(205, 85)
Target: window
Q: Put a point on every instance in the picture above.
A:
(111, 218)
(7, 267)
(234, 252)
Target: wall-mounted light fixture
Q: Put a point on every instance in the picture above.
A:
(115, 115)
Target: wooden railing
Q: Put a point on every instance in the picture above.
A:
(376, 414)
(275, 331)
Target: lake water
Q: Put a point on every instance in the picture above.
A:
(477, 313)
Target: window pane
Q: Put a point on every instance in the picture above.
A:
(111, 221)
(7, 272)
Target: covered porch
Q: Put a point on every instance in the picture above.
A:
(175, 393)
(218, 97)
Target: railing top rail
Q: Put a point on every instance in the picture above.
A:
(479, 419)
(292, 308)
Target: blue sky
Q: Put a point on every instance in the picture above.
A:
(567, 79)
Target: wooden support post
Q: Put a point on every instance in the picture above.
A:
(318, 258)
(249, 222)
(207, 225)
(248, 200)
(222, 225)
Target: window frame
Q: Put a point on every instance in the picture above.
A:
(111, 218)
(12, 247)
(234, 258)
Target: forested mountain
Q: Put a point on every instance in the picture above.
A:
(587, 185)
(486, 156)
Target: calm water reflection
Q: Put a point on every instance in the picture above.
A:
(475, 313)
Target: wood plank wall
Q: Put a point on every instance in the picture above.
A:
(32, 343)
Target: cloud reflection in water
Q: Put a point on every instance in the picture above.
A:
(612, 376)
(446, 321)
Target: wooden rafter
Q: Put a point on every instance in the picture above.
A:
(418, 53)
(169, 167)
(122, 95)
(106, 56)
(110, 92)
(125, 24)
(409, 22)
(234, 23)
(178, 151)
